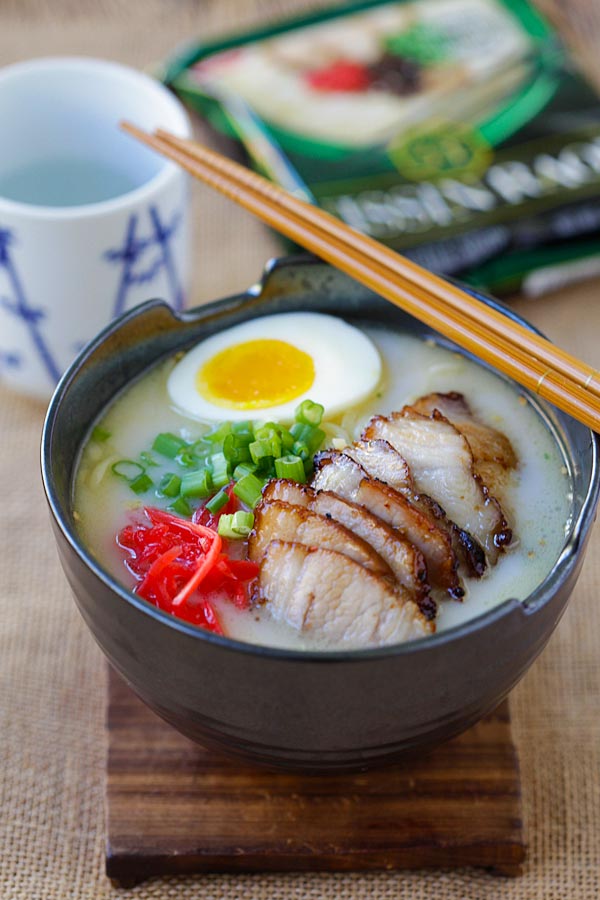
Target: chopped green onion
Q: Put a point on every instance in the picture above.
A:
(265, 469)
(306, 434)
(196, 484)
(244, 468)
(275, 445)
(300, 449)
(241, 427)
(242, 438)
(168, 444)
(181, 507)
(287, 439)
(237, 525)
(220, 470)
(201, 448)
(267, 431)
(291, 467)
(235, 448)
(298, 431)
(218, 435)
(309, 413)
(316, 440)
(270, 437)
(100, 434)
(170, 485)
(266, 447)
(141, 484)
(217, 502)
(147, 458)
(258, 449)
(248, 489)
(187, 460)
(127, 469)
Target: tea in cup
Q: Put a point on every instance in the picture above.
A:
(91, 222)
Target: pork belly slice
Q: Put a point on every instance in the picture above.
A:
(468, 550)
(325, 593)
(404, 559)
(289, 492)
(336, 472)
(278, 520)
(380, 460)
(442, 466)
(493, 454)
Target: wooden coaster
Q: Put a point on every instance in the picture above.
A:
(175, 808)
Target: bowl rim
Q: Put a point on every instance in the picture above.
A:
(536, 600)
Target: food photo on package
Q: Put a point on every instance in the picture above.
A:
(459, 132)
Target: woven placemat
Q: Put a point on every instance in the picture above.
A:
(52, 740)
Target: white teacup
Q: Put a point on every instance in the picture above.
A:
(91, 222)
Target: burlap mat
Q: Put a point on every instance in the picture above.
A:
(52, 741)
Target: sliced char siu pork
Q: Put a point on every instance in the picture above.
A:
(405, 561)
(278, 520)
(493, 454)
(338, 473)
(353, 555)
(325, 592)
(380, 460)
(442, 465)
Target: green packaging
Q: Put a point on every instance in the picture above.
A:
(459, 132)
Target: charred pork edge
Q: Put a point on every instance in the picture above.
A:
(454, 588)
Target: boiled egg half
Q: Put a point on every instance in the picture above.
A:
(265, 367)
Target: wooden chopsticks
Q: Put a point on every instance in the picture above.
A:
(529, 359)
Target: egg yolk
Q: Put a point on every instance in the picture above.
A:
(255, 375)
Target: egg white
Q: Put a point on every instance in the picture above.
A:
(346, 362)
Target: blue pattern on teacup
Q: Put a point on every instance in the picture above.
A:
(142, 257)
(9, 360)
(16, 304)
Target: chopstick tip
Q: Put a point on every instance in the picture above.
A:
(124, 125)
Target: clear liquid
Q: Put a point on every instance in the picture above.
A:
(66, 182)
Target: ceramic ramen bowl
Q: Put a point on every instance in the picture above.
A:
(309, 710)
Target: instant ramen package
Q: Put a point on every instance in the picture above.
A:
(459, 132)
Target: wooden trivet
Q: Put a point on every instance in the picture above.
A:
(175, 808)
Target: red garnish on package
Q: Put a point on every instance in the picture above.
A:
(342, 75)
(181, 568)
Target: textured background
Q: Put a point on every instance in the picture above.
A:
(52, 677)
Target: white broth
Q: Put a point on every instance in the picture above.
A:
(538, 500)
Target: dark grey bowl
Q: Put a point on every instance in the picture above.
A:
(311, 711)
